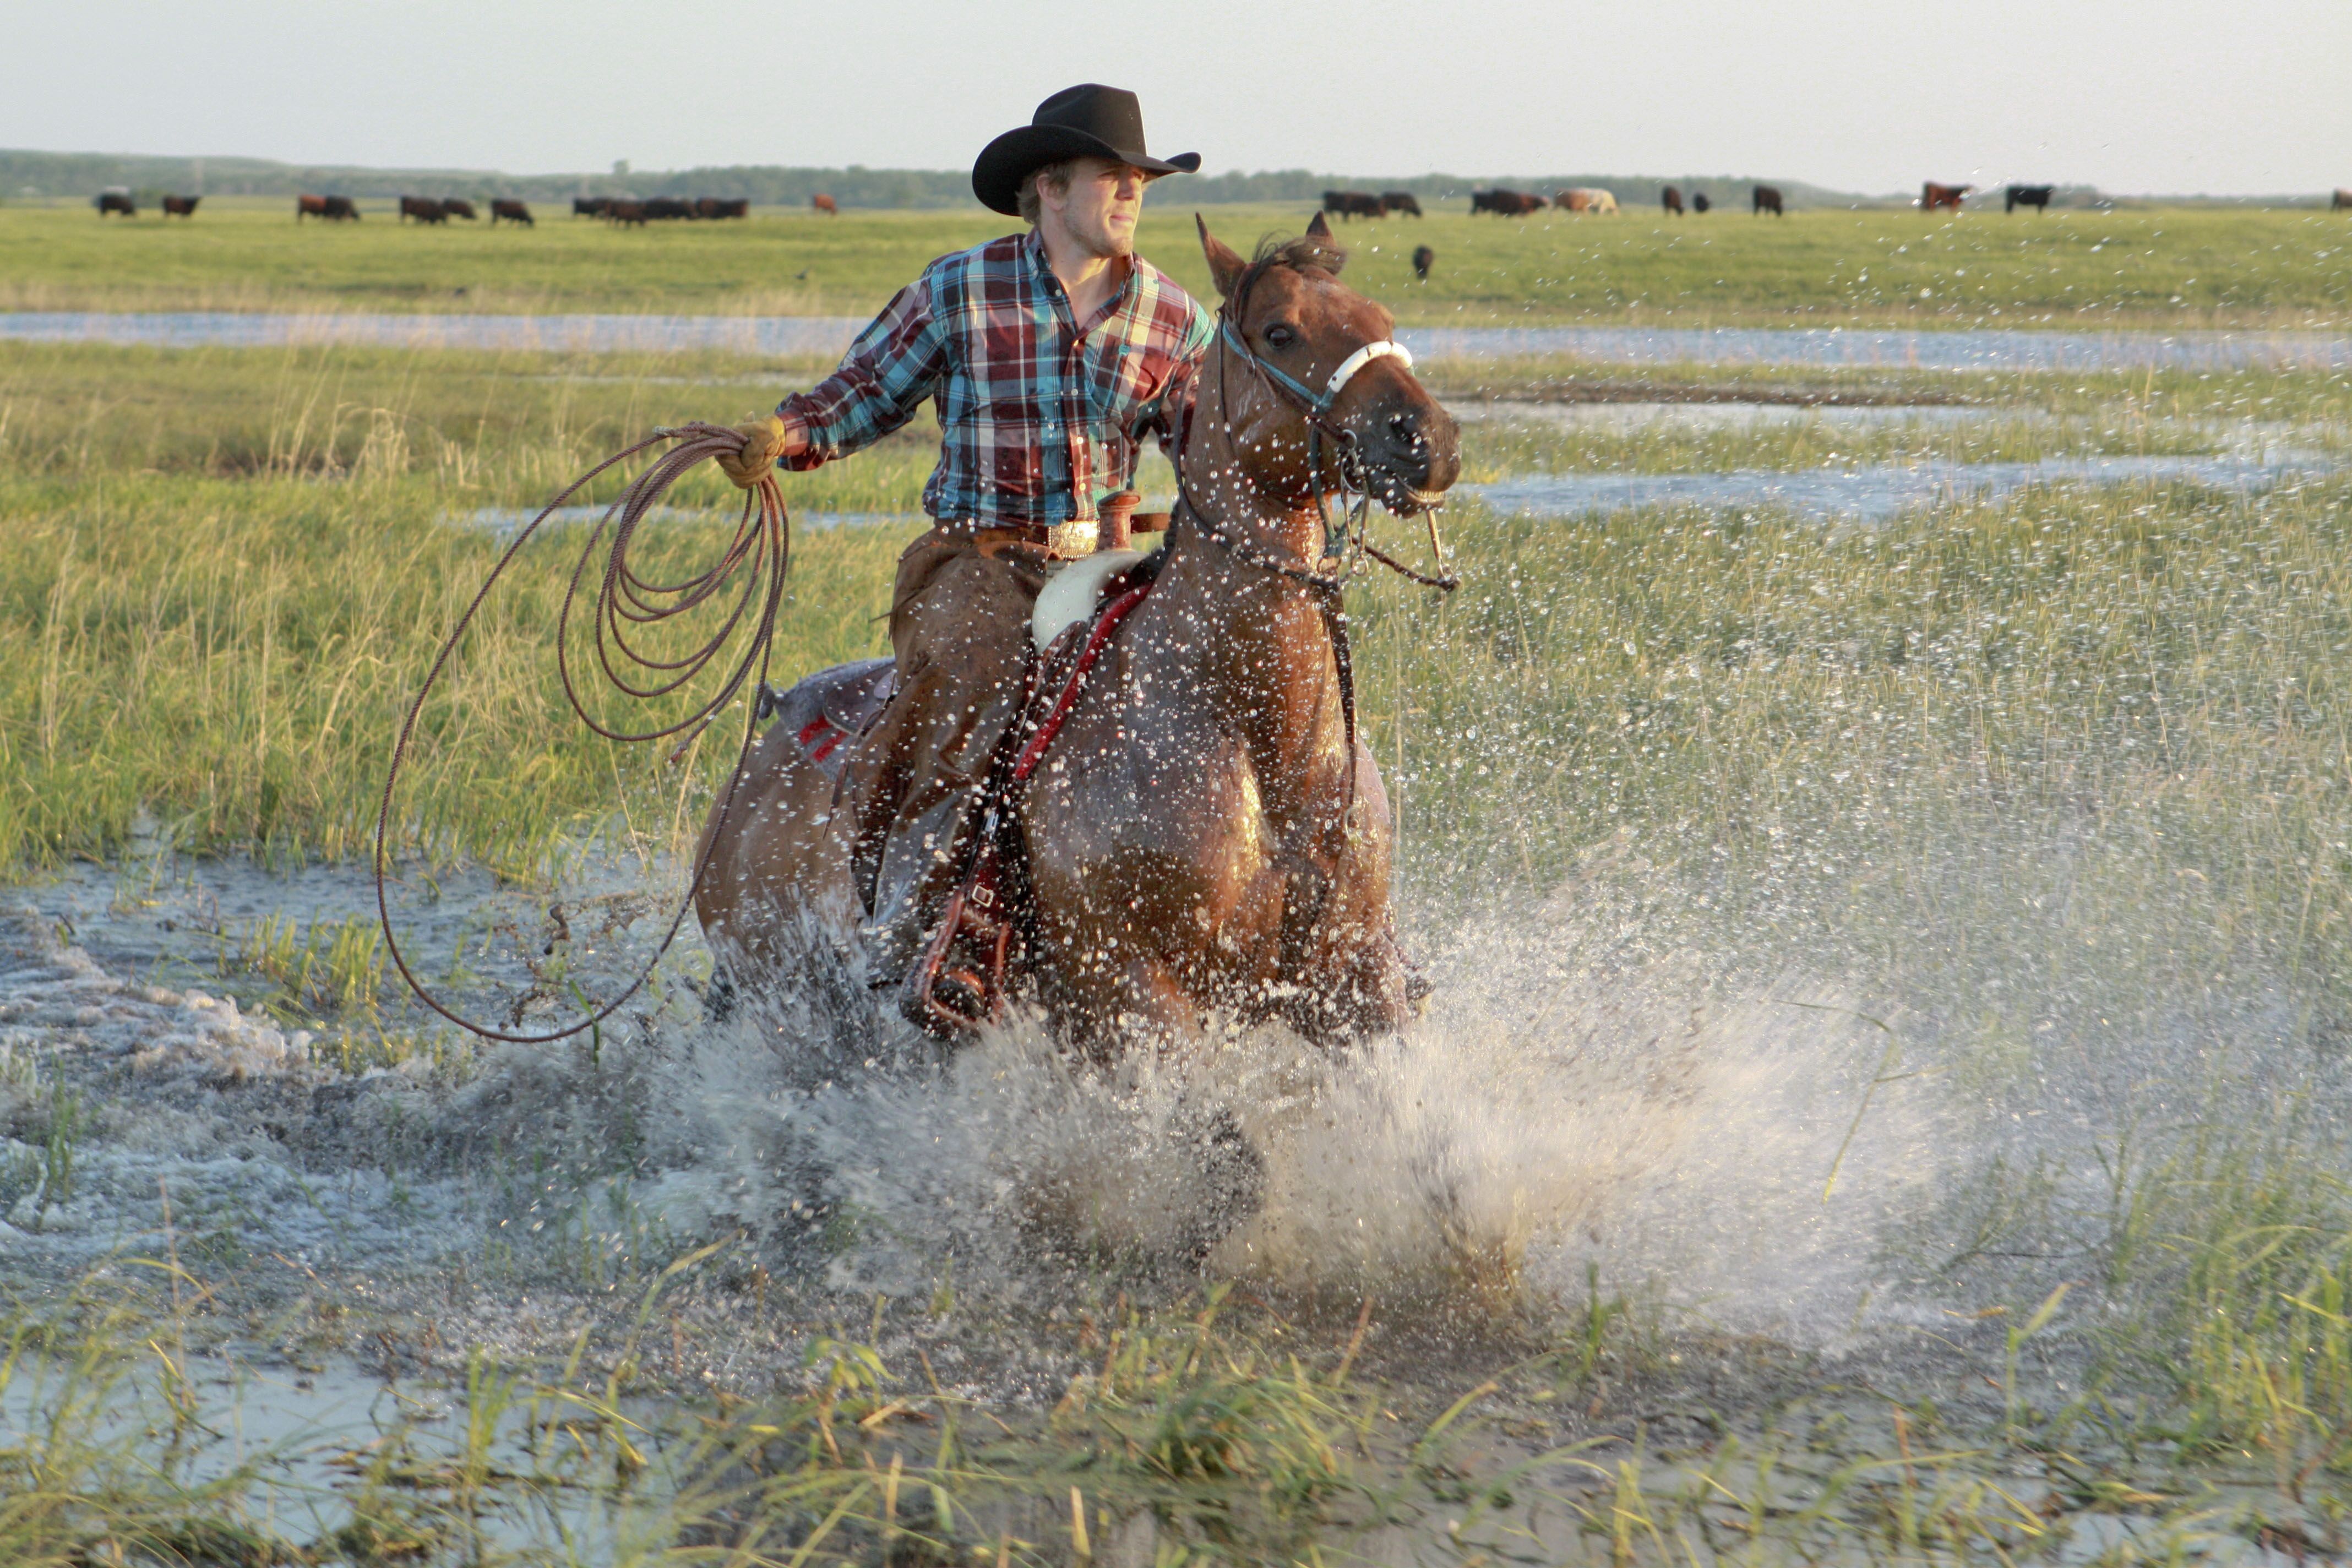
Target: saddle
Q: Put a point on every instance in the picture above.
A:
(959, 981)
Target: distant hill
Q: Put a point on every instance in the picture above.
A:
(52, 175)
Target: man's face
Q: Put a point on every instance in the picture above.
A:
(1102, 205)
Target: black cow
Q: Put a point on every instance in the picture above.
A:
(623, 214)
(181, 206)
(590, 206)
(2034, 196)
(1421, 258)
(1401, 202)
(457, 207)
(423, 209)
(1699, 202)
(667, 208)
(115, 201)
(1767, 200)
(1504, 204)
(1354, 204)
(1671, 200)
(511, 212)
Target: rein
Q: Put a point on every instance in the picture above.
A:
(763, 541)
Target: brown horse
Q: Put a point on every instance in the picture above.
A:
(1193, 845)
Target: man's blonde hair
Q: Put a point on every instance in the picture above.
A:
(1054, 175)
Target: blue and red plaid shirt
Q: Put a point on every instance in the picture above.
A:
(1039, 416)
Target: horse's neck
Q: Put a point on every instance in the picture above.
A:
(1257, 638)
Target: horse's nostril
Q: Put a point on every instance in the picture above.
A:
(1406, 429)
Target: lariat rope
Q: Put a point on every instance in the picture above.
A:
(623, 599)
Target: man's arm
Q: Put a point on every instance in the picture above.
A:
(884, 378)
(1163, 413)
(891, 367)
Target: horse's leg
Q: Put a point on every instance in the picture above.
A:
(778, 862)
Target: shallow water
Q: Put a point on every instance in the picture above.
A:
(1964, 349)
(1875, 492)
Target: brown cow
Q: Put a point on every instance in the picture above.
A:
(1400, 202)
(730, 206)
(423, 209)
(511, 212)
(1422, 259)
(181, 206)
(333, 209)
(1767, 200)
(1933, 195)
(622, 213)
(116, 200)
(457, 207)
(826, 204)
(1671, 200)
(2343, 202)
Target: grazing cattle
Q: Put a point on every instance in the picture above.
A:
(1933, 195)
(511, 212)
(733, 207)
(1767, 200)
(1504, 204)
(826, 204)
(590, 206)
(1671, 200)
(1422, 256)
(117, 200)
(333, 209)
(1354, 204)
(1585, 199)
(2343, 202)
(181, 206)
(667, 210)
(1400, 202)
(1699, 202)
(621, 213)
(457, 207)
(2034, 196)
(423, 209)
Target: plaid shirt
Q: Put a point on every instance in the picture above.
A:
(1039, 417)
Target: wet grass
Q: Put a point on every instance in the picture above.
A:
(2180, 267)
(2062, 780)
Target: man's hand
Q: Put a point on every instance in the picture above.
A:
(764, 440)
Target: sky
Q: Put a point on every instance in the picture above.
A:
(2250, 96)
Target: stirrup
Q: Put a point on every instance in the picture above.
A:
(953, 998)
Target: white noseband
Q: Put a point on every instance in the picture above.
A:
(1359, 359)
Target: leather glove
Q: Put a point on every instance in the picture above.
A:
(763, 443)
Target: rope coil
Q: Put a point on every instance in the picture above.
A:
(758, 552)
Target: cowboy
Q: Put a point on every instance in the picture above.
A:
(1048, 357)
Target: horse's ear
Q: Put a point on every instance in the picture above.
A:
(1317, 228)
(1225, 267)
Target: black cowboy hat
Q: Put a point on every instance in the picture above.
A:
(1089, 120)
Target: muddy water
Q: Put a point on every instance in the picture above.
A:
(1978, 349)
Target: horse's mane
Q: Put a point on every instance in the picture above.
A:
(1305, 251)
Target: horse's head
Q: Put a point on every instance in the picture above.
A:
(1297, 350)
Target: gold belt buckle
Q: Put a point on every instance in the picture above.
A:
(1068, 540)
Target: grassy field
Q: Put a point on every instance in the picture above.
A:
(2180, 267)
(2050, 796)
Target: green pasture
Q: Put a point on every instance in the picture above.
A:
(2184, 267)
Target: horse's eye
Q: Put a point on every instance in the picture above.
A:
(1281, 337)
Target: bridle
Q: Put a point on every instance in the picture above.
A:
(1348, 541)
(1343, 545)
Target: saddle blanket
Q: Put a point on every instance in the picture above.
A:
(831, 706)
